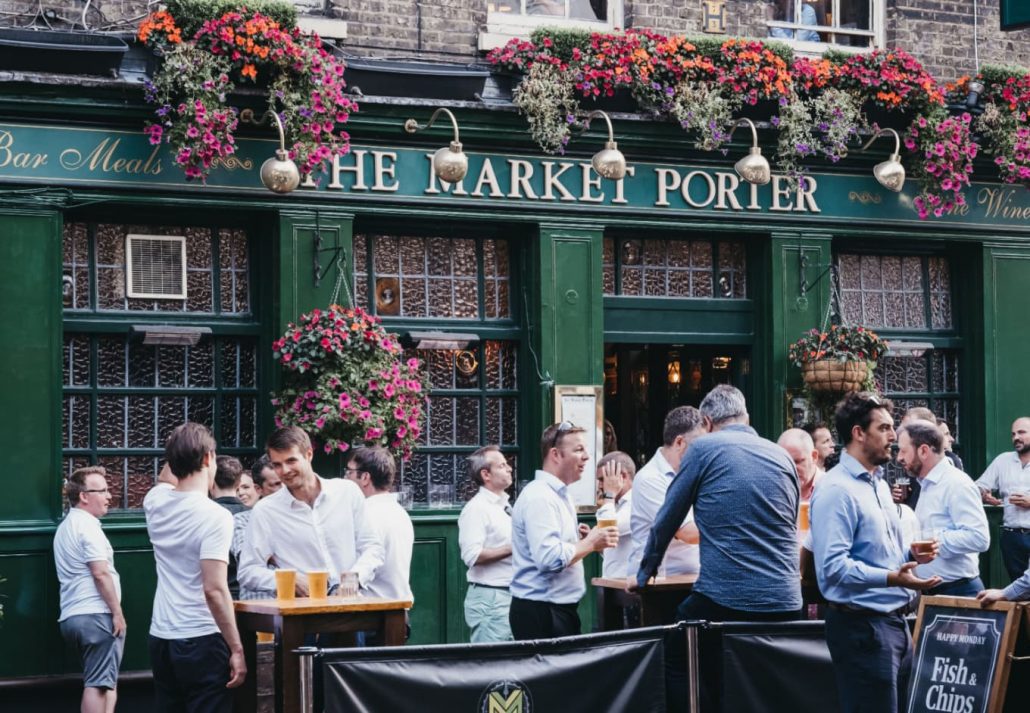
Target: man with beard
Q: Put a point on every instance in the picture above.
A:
(547, 547)
(861, 564)
(1009, 475)
(822, 439)
(949, 510)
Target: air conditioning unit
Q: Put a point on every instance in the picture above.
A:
(156, 266)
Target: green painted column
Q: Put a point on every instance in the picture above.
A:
(799, 296)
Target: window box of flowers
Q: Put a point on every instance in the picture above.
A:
(839, 360)
(370, 76)
(51, 51)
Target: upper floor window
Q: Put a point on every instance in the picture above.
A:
(518, 18)
(903, 292)
(809, 25)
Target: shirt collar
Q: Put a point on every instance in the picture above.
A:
(295, 503)
(500, 498)
(663, 465)
(552, 482)
(937, 472)
(855, 469)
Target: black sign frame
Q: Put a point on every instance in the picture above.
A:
(1001, 620)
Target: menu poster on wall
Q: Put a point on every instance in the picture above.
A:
(582, 407)
(962, 655)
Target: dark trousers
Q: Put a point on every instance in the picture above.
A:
(872, 660)
(190, 675)
(969, 587)
(1015, 552)
(531, 619)
(699, 607)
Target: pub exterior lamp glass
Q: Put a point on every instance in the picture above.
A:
(609, 161)
(449, 163)
(753, 168)
(890, 174)
(279, 174)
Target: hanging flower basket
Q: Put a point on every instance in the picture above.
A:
(834, 376)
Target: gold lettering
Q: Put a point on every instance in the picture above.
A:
(780, 191)
(551, 181)
(668, 180)
(384, 165)
(620, 186)
(358, 169)
(18, 160)
(488, 177)
(728, 183)
(806, 195)
(709, 184)
(521, 173)
(753, 204)
(590, 183)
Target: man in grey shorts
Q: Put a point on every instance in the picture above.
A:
(91, 611)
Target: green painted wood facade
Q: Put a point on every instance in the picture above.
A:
(559, 309)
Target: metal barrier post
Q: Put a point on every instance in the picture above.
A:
(692, 670)
(307, 673)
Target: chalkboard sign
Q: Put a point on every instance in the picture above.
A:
(962, 655)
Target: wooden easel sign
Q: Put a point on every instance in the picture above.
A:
(962, 655)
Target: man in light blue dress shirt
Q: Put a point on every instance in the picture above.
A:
(949, 510)
(861, 565)
(547, 550)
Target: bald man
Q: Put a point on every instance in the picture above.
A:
(802, 451)
(1009, 475)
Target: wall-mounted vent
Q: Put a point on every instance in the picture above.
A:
(156, 266)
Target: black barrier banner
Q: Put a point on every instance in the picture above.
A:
(620, 671)
(774, 667)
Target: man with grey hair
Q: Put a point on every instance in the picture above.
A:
(744, 491)
(484, 538)
(683, 425)
(949, 510)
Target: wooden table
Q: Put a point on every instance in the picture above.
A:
(657, 601)
(291, 620)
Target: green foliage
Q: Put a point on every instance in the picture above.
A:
(191, 14)
(1000, 73)
(563, 40)
(835, 56)
(707, 45)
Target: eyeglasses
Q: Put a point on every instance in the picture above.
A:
(357, 471)
(870, 398)
(563, 428)
(94, 490)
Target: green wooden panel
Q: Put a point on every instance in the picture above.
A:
(1006, 348)
(29, 641)
(30, 316)
(1014, 14)
(430, 613)
(639, 320)
(138, 572)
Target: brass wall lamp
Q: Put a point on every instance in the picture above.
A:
(609, 161)
(890, 174)
(449, 163)
(278, 174)
(753, 168)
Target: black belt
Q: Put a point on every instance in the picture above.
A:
(863, 611)
(488, 586)
(1020, 530)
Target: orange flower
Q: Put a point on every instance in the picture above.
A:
(249, 70)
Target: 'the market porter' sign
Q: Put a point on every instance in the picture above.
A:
(962, 663)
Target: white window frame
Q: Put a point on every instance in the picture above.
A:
(503, 26)
(877, 34)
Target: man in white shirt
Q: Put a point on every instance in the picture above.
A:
(547, 546)
(195, 648)
(373, 470)
(484, 537)
(1009, 475)
(615, 471)
(949, 510)
(313, 524)
(822, 439)
(91, 611)
(683, 425)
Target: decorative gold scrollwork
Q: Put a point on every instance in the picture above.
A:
(231, 163)
(466, 362)
(865, 197)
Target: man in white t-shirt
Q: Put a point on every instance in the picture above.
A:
(373, 471)
(195, 648)
(484, 538)
(314, 524)
(91, 611)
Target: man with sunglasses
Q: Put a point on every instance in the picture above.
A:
(861, 563)
(91, 610)
(547, 550)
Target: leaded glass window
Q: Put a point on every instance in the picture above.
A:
(474, 401)
(421, 277)
(905, 292)
(931, 380)
(122, 398)
(675, 268)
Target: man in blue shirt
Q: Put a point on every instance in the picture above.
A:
(547, 549)
(861, 565)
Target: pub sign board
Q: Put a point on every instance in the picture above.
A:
(1015, 14)
(962, 655)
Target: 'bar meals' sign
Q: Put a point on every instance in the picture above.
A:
(57, 155)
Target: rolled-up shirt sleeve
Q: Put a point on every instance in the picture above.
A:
(1020, 589)
(543, 531)
(253, 572)
(836, 514)
(970, 532)
(471, 535)
(368, 543)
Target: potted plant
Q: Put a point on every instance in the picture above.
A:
(52, 51)
(945, 147)
(193, 86)
(1003, 124)
(839, 360)
(345, 381)
(892, 85)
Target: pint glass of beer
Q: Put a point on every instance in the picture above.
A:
(285, 583)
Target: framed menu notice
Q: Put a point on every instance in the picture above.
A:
(583, 406)
(962, 655)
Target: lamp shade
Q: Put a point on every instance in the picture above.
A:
(890, 174)
(280, 174)
(609, 162)
(450, 163)
(754, 168)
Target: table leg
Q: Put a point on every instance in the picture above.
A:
(394, 628)
(287, 696)
(245, 699)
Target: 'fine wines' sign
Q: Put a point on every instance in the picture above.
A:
(962, 652)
